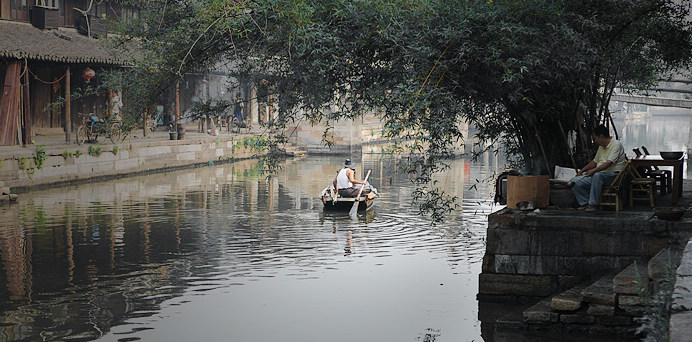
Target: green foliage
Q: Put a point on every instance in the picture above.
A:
(255, 143)
(94, 151)
(77, 153)
(518, 71)
(21, 161)
(66, 154)
(40, 156)
(25, 165)
(115, 150)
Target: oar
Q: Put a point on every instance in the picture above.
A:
(354, 208)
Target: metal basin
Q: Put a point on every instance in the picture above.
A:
(671, 155)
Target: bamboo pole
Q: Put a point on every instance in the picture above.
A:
(68, 106)
(27, 108)
(145, 114)
(177, 103)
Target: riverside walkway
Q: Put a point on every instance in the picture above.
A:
(52, 161)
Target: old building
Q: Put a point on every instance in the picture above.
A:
(51, 58)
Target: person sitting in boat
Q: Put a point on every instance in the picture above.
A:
(346, 179)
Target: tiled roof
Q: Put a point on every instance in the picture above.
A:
(21, 40)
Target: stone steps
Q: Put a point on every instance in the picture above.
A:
(293, 150)
(5, 195)
(612, 301)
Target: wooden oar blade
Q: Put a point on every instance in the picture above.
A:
(354, 208)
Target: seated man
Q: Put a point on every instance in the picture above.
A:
(345, 179)
(609, 160)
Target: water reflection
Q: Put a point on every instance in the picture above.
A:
(227, 254)
(657, 128)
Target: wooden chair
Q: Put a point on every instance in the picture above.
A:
(613, 194)
(640, 186)
(664, 178)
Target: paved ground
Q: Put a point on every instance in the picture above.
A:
(55, 140)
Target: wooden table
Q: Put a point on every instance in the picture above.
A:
(657, 160)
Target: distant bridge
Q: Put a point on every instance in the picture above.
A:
(652, 101)
(675, 86)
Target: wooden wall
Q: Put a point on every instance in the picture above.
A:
(4, 9)
(42, 95)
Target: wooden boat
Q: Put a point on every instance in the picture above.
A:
(332, 201)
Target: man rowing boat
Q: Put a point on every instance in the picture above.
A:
(345, 180)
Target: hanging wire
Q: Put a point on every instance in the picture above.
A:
(42, 81)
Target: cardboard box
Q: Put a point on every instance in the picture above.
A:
(528, 188)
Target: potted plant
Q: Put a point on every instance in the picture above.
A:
(44, 17)
(172, 133)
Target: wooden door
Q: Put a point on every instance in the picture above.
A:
(19, 9)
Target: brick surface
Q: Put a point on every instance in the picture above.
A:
(633, 310)
(597, 243)
(630, 300)
(600, 310)
(570, 300)
(601, 291)
(188, 156)
(682, 294)
(577, 318)
(541, 313)
(632, 279)
(666, 258)
(680, 326)
(617, 320)
(520, 285)
(127, 164)
(685, 268)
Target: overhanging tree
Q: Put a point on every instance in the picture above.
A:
(523, 72)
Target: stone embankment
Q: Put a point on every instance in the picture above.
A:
(5, 195)
(681, 308)
(609, 305)
(569, 272)
(37, 166)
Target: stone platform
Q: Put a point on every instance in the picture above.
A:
(573, 272)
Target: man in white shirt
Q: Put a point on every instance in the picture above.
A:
(609, 160)
(346, 178)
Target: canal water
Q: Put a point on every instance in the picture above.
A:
(222, 253)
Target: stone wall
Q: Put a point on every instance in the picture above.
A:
(345, 137)
(681, 308)
(559, 273)
(530, 256)
(64, 164)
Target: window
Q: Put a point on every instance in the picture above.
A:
(18, 4)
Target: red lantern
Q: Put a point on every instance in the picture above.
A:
(88, 74)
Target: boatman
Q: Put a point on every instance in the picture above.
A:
(345, 179)
(609, 160)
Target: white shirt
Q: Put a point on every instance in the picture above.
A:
(342, 181)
